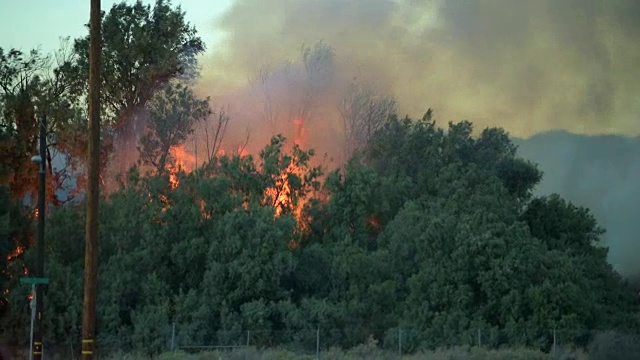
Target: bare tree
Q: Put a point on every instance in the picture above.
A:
(364, 109)
(214, 133)
(243, 146)
(270, 106)
(173, 113)
(318, 73)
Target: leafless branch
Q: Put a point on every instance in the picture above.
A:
(243, 146)
(214, 133)
(364, 109)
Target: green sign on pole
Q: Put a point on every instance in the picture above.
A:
(34, 280)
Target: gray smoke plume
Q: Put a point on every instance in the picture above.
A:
(601, 173)
(526, 65)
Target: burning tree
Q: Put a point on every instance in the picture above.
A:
(144, 49)
(172, 116)
(214, 132)
(289, 177)
(291, 93)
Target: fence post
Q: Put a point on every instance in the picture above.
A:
(479, 337)
(554, 342)
(173, 336)
(73, 354)
(400, 342)
(248, 337)
(318, 343)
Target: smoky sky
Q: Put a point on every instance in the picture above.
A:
(527, 65)
(601, 173)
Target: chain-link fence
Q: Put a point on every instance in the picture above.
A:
(315, 343)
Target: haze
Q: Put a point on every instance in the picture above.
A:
(528, 66)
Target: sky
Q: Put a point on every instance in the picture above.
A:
(525, 65)
(23, 28)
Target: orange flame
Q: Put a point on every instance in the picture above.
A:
(184, 161)
(19, 250)
(281, 193)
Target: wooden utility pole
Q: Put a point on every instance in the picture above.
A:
(93, 188)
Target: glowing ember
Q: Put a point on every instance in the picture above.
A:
(373, 222)
(242, 152)
(165, 201)
(15, 253)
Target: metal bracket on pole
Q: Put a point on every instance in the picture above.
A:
(33, 318)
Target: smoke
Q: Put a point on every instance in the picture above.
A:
(601, 173)
(527, 66)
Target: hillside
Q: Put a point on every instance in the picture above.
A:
(601, 173)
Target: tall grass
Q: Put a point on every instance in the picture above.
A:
(364, 353)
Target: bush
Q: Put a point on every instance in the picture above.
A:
(365, 352)
(614, 345)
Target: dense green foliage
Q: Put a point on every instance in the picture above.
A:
(365, 351)
(428, 234)
(144, 49)
(431, 231)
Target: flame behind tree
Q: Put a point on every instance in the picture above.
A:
(290, 178)
(295, 91)
(172, 116)
(144, 48)
(214, 133)
(183, 162)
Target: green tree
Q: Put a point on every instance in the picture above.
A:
(172, 113)
(31, 86)
(20, 81)
(144, 48)
(423, 233)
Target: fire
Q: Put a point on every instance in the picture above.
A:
(281, 193)
(173, 180)
(183, 158)
(281, 196)
(184, 161)
(15, 253)
(242, 152)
